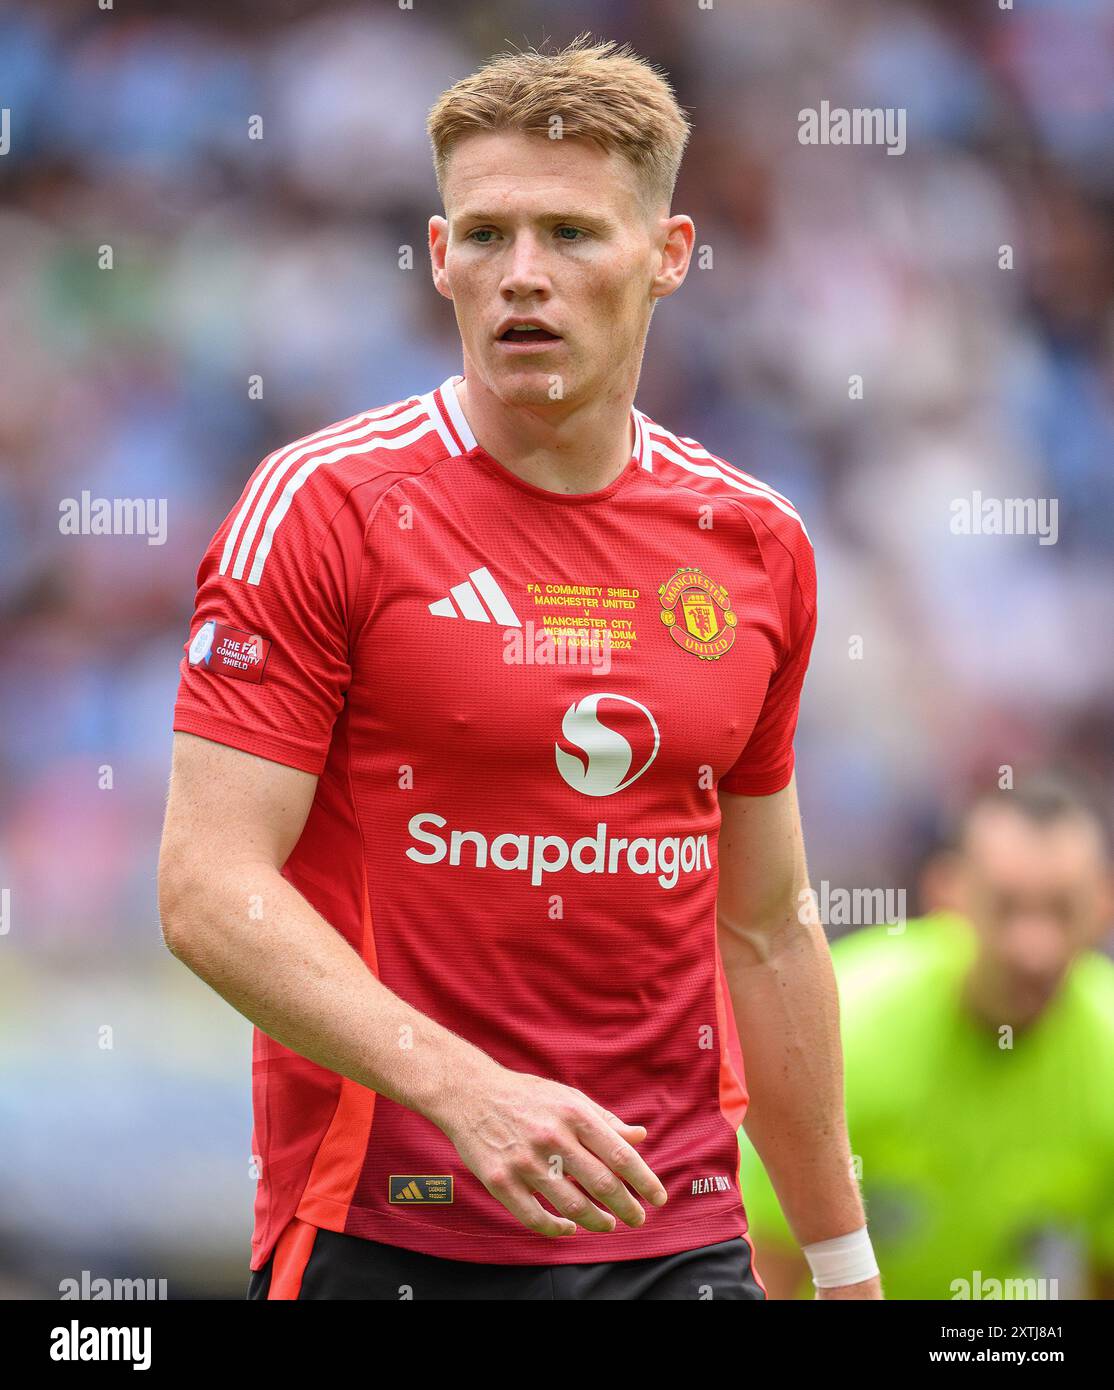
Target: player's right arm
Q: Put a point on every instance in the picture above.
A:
(284, 568)
(231, 917)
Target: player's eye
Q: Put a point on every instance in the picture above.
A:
(481, 235)
(569, 233)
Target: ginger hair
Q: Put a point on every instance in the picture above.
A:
(602, 92)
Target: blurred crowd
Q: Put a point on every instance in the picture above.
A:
(258, 173)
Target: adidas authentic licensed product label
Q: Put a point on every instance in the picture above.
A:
(421, 1188)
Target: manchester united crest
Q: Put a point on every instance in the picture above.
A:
(697, 613)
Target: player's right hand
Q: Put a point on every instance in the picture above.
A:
(523, 1134)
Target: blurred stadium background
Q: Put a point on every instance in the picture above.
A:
(280, 257)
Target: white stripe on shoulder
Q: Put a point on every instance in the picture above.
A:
(714, 469)
(456, 415)
(695, 449)
(343, 429)
(439, 424)
(363, 446)
(369, 429)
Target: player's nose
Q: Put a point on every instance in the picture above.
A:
(525, 272)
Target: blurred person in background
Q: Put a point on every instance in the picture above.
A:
(979, 1054)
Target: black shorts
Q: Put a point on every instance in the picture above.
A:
(335, 1266)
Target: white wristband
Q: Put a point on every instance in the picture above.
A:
(842, 1260)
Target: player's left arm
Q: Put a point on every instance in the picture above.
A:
(783, 992)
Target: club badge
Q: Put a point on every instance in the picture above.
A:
(697, 614)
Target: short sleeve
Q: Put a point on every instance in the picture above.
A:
(766, 763)
(266, 665)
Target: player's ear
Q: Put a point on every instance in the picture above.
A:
(438, 245)
(678, 236)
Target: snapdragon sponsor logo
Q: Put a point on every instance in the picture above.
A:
(77, 1343)
(1007, 516)
(666, 858)
(982, 1286)
(611, 741)
(853, 907)
(599, 757)
(91, 1287)
(573, 646)
(113, 516)
(859, 125)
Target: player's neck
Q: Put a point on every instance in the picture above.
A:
(564, 449)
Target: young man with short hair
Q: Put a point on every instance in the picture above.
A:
(463, 880)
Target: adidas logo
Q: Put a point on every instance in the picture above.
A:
(436, 1187)
(468, 605)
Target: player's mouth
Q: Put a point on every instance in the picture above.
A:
(525, 335)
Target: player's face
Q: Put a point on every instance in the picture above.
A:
(553, 258)
(1036, 895)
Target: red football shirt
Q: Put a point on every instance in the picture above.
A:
(516, 829)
